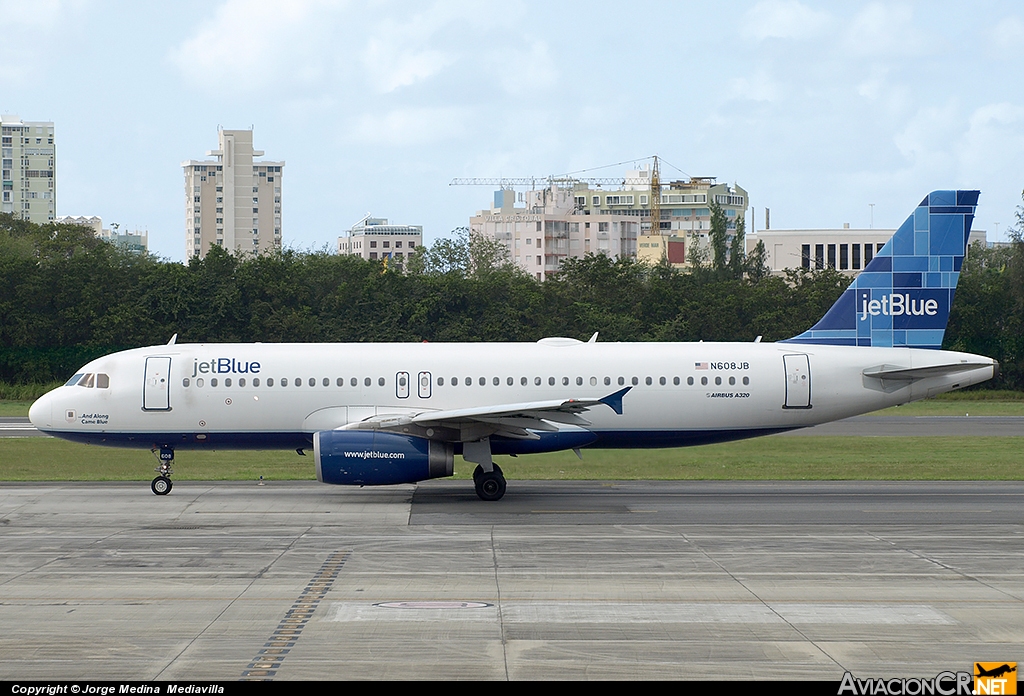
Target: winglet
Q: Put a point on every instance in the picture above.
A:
(615, 400)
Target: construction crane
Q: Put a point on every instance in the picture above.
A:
(568, 181)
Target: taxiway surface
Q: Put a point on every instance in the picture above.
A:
(638, 580)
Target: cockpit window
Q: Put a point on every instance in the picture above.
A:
(102, 381)
(88, 381)
(74, 380)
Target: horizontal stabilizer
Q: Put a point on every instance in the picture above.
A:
(914, 373)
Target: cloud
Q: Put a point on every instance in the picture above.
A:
(1008, 38)
(783, 19)
(410, 126)
(250, 44)
(885, 30)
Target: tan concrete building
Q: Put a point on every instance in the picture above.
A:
(549, 229)
(28, 163)
(569, 219)
(232, 201)
(846, 250)
(376, 238)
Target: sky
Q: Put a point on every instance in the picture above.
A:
(818, 110)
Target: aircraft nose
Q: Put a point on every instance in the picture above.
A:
(41, 412)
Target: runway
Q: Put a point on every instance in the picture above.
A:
(559, 580)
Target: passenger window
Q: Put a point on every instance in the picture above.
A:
(607, 381)
(185, 382)
(718, 380)
(510, 381)
(675, 381)
(199, 382)
(648, 381)
(380, 381)
(565, 381)
(241, 381)
(551, 381)
(689, 380)
(256, 382)
(270, 381)
(469, 381)
(536, 381)
(227, 382)
(483, 381)
(298, 381)
(496, 381)
(340, 382)
(523, 381)
(440, 381)
(455, 381)
(327, 382)
(622, 380)
(284, 381)
(704, 381)
(367, 382)
(593, 381)
(102, 381)
(213, 381)
(746, 380)
(732, 380)
(635, 381)
(354, 382)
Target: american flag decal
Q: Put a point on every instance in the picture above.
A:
(700, 366)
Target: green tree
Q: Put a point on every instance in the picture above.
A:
(719, 240)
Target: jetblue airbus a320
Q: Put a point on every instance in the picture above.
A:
(398, 413)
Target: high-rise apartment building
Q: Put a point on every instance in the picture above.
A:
(232, 201)
(27, 156)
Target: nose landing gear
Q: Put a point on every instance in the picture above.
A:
(162, 485)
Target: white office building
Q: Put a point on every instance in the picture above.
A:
(376, 238)
(29, 165)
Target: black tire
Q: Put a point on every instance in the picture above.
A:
(161, 485)
(490, 486)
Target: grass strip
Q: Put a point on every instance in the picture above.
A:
(772, 458)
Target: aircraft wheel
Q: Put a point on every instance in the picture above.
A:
(490, 486)
(161, 485)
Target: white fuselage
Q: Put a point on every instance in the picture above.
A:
(206, 395)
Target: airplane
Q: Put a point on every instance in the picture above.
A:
(378, 414)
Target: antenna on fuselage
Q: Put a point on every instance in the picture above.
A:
(174, 339)
(593, 339)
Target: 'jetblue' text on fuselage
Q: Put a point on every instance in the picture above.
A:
(222, 366)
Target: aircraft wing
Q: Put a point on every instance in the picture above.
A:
(510, 420)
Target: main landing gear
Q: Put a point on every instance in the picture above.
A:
(490, 485)
(162, 485)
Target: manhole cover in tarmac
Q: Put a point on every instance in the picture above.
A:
(432, 605)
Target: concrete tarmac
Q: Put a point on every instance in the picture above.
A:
(559, 580)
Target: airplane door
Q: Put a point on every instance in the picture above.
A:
(156, 393)
(402, 385)
(423, 385)
(798, 381)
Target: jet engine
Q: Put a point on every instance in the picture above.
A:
(373, 458)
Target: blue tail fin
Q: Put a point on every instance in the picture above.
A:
(902, 297)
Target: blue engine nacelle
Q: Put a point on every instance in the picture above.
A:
(373, 458)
